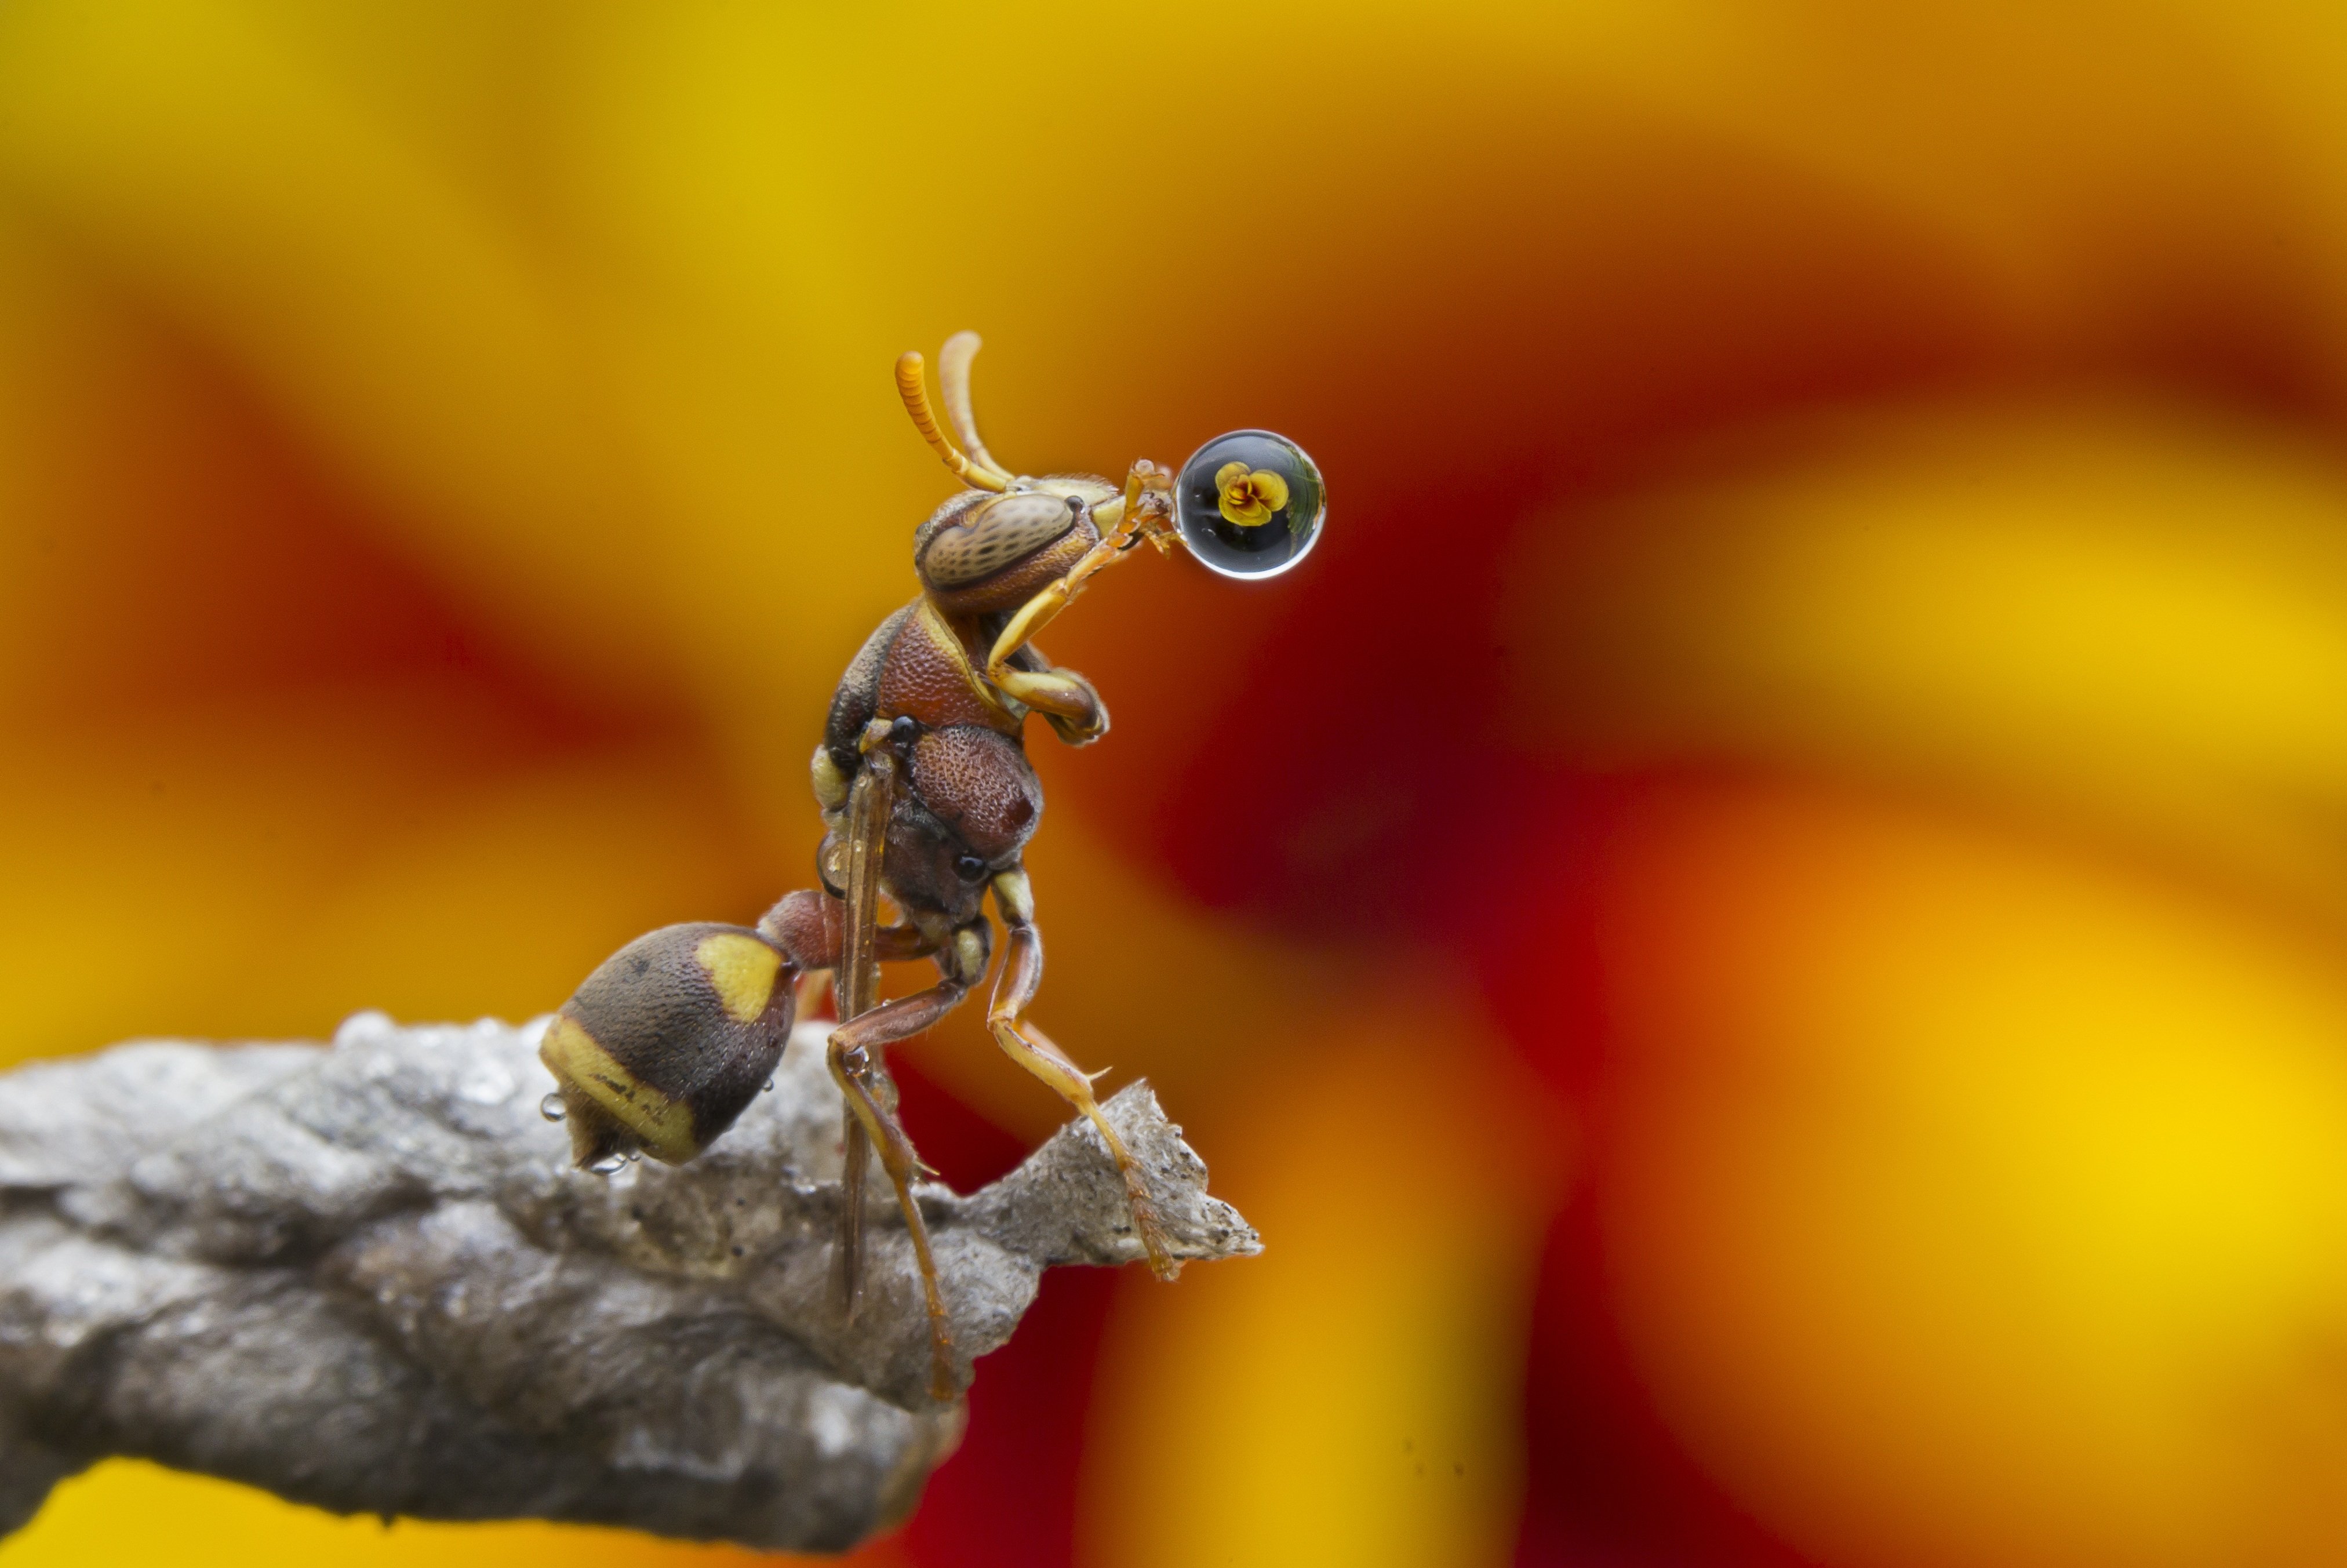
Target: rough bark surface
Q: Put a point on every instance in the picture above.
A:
(366, 1278)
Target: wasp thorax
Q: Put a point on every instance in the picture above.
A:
(664, 1045)
(977, 541)
(1249, 504)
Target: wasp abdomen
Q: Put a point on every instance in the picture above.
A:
(665, 1044)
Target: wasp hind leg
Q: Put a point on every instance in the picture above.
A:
(1022, 975)
(855, 1060)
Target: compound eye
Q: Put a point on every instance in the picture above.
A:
(970, 869)
(1249, 504)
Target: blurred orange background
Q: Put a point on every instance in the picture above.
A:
(1761, 930)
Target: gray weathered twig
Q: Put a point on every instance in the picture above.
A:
(367, 1278)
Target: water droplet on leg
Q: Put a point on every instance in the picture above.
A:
(552, 1107)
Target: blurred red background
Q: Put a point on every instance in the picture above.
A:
(1760, 930)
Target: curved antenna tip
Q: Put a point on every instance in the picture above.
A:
(953, 389)
(912, 385)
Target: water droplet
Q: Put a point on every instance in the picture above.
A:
(634, 1155)
(1249, 504)
(552, 1107)
(770, 1086)
(608, 1165)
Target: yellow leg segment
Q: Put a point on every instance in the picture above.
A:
(1022, 972)
(1141, 514)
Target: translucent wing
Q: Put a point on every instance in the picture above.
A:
(869, 802)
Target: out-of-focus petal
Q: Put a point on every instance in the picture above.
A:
(1970, 1200)
(1350, 1396)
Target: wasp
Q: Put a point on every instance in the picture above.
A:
(927, 802)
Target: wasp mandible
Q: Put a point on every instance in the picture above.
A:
(927, 800)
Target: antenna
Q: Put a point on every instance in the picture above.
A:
(912, 384)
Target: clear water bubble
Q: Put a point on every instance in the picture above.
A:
(1250, 504)
(769, 1086)
(552, 1107)
(610, 1164)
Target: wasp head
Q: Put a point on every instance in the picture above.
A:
(983, 550)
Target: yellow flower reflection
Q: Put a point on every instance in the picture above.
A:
(1249, 495)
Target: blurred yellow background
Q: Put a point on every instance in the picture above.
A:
(1761, 930)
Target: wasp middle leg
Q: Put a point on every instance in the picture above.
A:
(1022, 975)
(855, 1060)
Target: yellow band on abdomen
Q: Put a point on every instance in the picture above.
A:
(577, 1061)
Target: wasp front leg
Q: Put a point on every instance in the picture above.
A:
(1065, 698)
(1014, 989)
(1067, 702)
(1146, 510)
